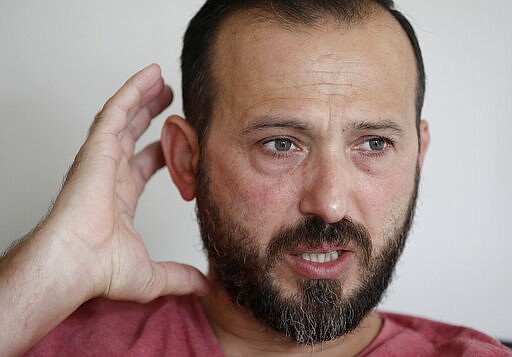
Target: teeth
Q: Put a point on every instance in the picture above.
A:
(321, 258)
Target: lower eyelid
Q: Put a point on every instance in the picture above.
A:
(367, 154)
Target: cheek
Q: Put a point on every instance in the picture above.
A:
(383, 204)
(261, 204)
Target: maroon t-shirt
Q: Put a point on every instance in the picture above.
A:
(177, 326)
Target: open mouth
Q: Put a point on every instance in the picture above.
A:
(322, 257)
(321, 263)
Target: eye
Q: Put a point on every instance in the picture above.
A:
(277, 155)
(281, 145)
(375, 144)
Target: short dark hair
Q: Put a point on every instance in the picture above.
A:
(196, 59)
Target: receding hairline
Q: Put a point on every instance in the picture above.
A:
(253, 16)
(207, 29)
(264, 13)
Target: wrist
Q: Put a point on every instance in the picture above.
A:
(41, 284)
(68, 262)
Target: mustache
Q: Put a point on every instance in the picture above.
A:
(312, 232)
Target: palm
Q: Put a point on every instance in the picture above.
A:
(98, 201)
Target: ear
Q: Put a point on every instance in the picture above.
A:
(424, 142)
(181, 151)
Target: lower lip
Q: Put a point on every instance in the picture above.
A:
(313, 270)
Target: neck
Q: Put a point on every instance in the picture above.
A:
(241, 335)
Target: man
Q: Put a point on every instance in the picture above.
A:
(303, 146)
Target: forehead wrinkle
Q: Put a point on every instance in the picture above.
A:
(263, 110)
(338, 72)
(336, 58)
(335, 73)
(327, 88)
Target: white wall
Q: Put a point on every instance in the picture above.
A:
(61, 59)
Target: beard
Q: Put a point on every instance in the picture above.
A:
(320, 310)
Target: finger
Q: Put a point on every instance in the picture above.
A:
(146, 163)
(178, 279)
(119, 110)
(141, 121)
(127, 144)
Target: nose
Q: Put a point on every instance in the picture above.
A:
(326, 191)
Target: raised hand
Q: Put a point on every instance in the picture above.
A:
(96, 207)
(88, 245)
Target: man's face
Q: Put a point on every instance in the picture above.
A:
(308, 179)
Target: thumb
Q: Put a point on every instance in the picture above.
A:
(172, 278)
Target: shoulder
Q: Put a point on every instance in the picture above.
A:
(107, 315)
(101, 327)
(409, 335)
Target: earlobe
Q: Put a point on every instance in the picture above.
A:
(424, 142)
(181, 151)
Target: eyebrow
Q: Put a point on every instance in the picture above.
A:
(274, 122)
(380, 125)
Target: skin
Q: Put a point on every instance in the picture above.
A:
(328, 91)
(90, 228)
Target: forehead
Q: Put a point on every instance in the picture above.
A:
(259, 63)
